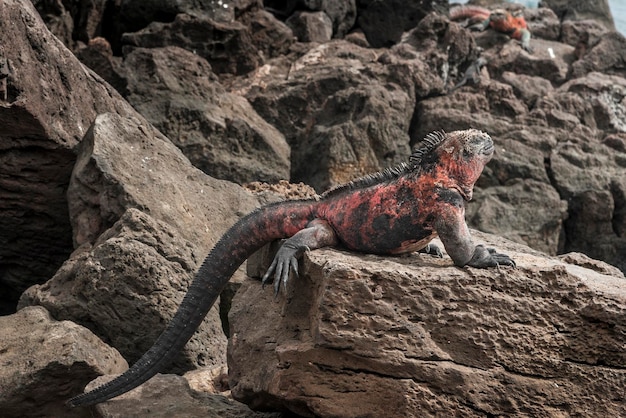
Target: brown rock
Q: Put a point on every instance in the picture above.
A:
(51, 102)
(126, 164)
(607, 96)
(218, 131)
(528, 88)
(270, 36)
(431, 53)
(549, 60)
(73, 22)
(227, 46)
(414, 336)
(311, 26)
(331, 119)
(515, 202)
(591, 177)
(44, 362)
(582, 33)
(127, 286)
(607, 56)
(98, 56)
(343, 14)
(543, 23)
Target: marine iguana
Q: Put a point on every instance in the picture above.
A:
(472, 74)
(501, 20)
(397, 210)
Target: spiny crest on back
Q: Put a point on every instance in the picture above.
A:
(385, 175)
(426, 146)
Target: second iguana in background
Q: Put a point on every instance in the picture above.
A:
(395, 211)
(511, 23)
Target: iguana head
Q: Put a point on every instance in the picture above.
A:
(454, 159)
(498, 15)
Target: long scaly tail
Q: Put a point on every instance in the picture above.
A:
(264, 225)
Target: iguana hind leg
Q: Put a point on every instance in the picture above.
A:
(317, 234)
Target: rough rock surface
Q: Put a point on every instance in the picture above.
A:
(171, 396)
(384, 21)
(218, 131)
(51, 102)
(43, 361)
(367, 336)
(147, 258)
(582, 10)
(329, 101)
(226, 45)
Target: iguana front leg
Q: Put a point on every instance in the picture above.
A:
(317, 234)
(455, 236)
(524, 36)
(481, 26)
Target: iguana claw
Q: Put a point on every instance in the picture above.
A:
(433, 250)
(488, 257)
(285, 261)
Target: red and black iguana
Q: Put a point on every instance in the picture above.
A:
(500, 20)
(398, 210)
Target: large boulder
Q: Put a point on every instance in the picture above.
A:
(361, 336)
(51, 101)
(226, 45)
(330, 119)
(143, 219)
(217, 130)
(575, 10)
(384, 21)
(44, 362)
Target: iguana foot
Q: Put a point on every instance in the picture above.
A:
(527, 48)
(432, 249)
(488, 257)
(285, 261)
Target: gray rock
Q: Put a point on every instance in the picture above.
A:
(44, 362)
